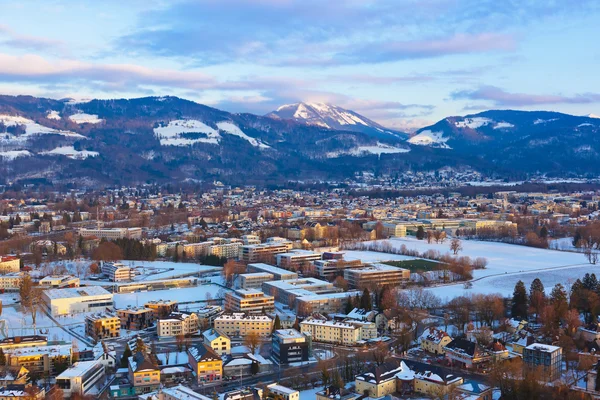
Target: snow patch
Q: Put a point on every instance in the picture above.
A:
(593, 116)
(543, 121)
(83, 118)
(585, 124)
(170, 135)
(53, 115)
(12, 154)
(233, 129)
(31, 129)
(378, 149)
(503, 125)
(70, 152)
(429, 138)
(473, 123)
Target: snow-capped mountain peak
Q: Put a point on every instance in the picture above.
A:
(593, 116)
(331, 117)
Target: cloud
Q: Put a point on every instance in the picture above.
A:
(10, 38)
(500, 97)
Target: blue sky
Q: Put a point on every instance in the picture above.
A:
(403, 63)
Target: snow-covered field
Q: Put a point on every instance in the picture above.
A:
(189, 294)
(507, 264)
(378, 149)
(373, 256)
(70, 152)
(12, 154)
(82, 118)
(428, 138)
(31, 129)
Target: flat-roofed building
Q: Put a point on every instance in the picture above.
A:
(240, 324)
(250, 301)
(15, 342)
(328, 303)
(330, 268)
(207, 315)
(252, 280)
(102, 326)
(331, 331)
(288, 291)
(226, 250)
(278, 273)
(376, 275)
(265, 251)
(162, 308)
(177, 323)
(295, 259)
(118, 272)
(196, 250)
(59, 281)
(136, 318)
(112, 233)
(283, 391)
(77, 300)
(9, 264)
(11, 282)
(81, 378)
(289, 346)
(40, 359)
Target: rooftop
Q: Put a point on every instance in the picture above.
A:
(76, 292)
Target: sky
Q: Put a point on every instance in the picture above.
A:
(402, 63)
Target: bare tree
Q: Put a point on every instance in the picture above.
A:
(252, 341)
(455, 245)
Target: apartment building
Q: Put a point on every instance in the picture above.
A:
(282, 391)
(162, 308)
(376, 275)
(218, 341)
(39, 359)
(346, 333)
(136, 318)
(177, 323)
(206, 364)
(16, 342)
(207, 315)
(102, 326)
(81, 378)
(257, 252)
(226, 250)
(296, 259)
(288, 291)
(389, 228)
(250, 239)
(278, 273)
(252, 280)
(59, 281)
(112, 233)
(77, 300)
(117, 272)
(239, 324)
(143, 372)
(9, 264)
(250, 301)
(195, 250)
(328, 269)
(11, 282)
(289, 346)
(328, 303)
(545, 357)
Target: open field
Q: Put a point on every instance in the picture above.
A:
(416, 265)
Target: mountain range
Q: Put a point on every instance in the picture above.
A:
(168, 139)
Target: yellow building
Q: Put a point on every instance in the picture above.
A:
(207, 364)
(219, 342)
(102, 326)
(252, 301)
(239, 324)
(144, 373)
(434, 340)
(39, 360)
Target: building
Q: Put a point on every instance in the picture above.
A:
(376, 275)
(77, 300)
(136, 318)
(327, 331)
(14, 376)
(328, 303)
(283, 391)
(177, 323)
(382, 380)
(59, 281)
(81, 378)
(219, 342)
(195, 250)
(117, 272)
(226, 250)
(207, 315)
(239, 324)
(11, 282)
(279, 274)
(250, 239)
(24, 391)
(250, 301)
(264, 252)
(178, 392)
(287, 291)
(23, 341)
(328, 269)
(112, 233)
(434, 340)
(243, 394)
(206, 364)
(295, 259)
(253, 280)
(39, 359)
(289, 346)
(162, 308)
(143, 372)
(546, 358)
(9, 264)
(102, 326)
(466, 354)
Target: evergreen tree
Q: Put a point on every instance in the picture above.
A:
(365, 300)
(140, 346)
(544, 232)
(519, 301)
(276, 323)
(2, 358)
(349, 307)
(420, 232)
(254, 367)
(125, 357)
(559, 301)
(590, 282)
(536, 287)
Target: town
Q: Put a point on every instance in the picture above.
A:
(244, 293)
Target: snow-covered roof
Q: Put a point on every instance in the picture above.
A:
(543, 347)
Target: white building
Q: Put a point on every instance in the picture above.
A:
(252, 280)
(77, 300)
(239, 324)
(177, 323)
(81, 377)
(346, 333)
(112, 233)
(59, 281)
(118, 272)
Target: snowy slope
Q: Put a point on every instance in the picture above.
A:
(83, 118)
(232, 129)
(31, 129)
(331, 117)
(429, 138)
(53, 115)
(70, 152)
(378, 149)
